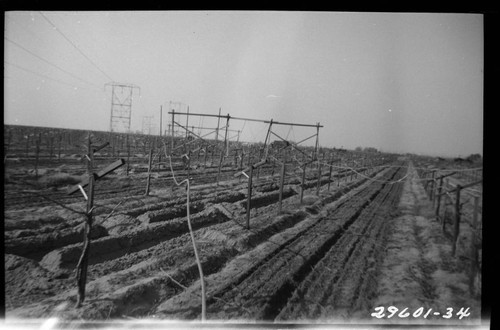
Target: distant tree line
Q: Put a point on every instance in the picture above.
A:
(473, 158)
(366, 149)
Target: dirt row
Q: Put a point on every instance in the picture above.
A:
(116, 281)
(343, 281)
(20, 192)
(33, 239)
(261, 289)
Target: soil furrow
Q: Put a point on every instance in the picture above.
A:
(272, 280)
(307, 300)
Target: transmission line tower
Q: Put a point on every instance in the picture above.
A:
(121, 106)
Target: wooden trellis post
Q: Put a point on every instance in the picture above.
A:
(330, 174)
(426, 182)
(338, 173)
(263, 151)
(303, 182)
(187, 123)
(217, 129)
(319, 179)
(440, 188)
(128, 153)
(249, 197)
(84, 258)
(59, 147)
(432, 182)
(282, 182)
(205, 157)
(352, 170)
(188, 164)
(148, 180)
(439, 191)
(81, 268)
(173, 133)
(51, 146)
(456, 230)
(161, 144)
(473, 246)
(221, 160)
(37, 155)
(443, 222)
(27, 144)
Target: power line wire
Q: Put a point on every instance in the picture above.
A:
(76, 47)
(47, 77)
(48, 62)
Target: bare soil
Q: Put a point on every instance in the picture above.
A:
(366, 242)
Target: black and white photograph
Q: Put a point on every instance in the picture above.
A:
(243, 168)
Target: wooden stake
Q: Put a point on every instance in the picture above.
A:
(221, 160)
(338, 173)
(173, 133)
(249, 196)
(457, 219)
(149, 171)
(83, 262)
(112, 143)
(431, 193)
(59, 147)
(187, 122)
(27, 144)
(160, 145)
(302, 186)
(51, 144)
(330, 174)
(282, 182)
(265, 148)
(319, 179)
(188, 164)
(128, 153)
(443, 224)
(217, 130)
(440, 188)
(352, 170)
(473, 246)
(37, 153)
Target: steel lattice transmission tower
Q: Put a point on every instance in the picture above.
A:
(121, 106)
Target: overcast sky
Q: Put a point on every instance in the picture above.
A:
(399, 82)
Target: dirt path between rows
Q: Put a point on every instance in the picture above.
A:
(419, 270)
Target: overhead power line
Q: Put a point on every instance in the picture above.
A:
(47, 77)
(75, 46)
(48, 62)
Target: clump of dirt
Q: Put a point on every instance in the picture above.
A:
(310, 199)
(118, 224)
(59, 179)
(23, 276)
